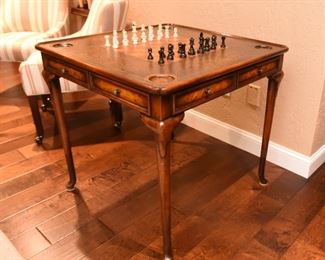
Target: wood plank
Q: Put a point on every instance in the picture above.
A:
(10, 157)
(134, 239)
(36, 243)
(279, 234)
(78, 244)
(310, 244)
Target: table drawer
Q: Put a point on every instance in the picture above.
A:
(67, 71)
(191, 98)
(258, 71)
(128, 96)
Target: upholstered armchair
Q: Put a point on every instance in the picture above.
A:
(24, 23)
(104, 16)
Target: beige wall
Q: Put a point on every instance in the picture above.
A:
(319, 138)
(298, 24)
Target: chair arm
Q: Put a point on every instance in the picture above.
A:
(60, 29)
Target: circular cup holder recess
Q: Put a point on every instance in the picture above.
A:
(262, 46)
(63, 44)
(161, 78)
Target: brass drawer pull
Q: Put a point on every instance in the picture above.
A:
(260, 70)
(116, 92)
(207, 92)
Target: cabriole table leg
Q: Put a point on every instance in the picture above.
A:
(163, 131)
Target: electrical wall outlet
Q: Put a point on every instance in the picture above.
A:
(253, 95)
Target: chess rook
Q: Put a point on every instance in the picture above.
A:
(107, 43)
(171, 53)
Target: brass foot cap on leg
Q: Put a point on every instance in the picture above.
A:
(264, 182)
(71, 188)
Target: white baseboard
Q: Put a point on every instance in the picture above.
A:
(293, 161)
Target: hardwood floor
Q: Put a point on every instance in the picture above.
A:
(219, 210)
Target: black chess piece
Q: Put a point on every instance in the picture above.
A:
(191, 51)
(201, 37)
(223, 42)
(161, 56)
(183, 51)
(163, 51)
(150, 57)
(207, 44)
(171, 53)
(213, 42)
(179, 47)
(201, 46)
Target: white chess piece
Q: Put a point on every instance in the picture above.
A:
(143, 34)
(134, 34)
(151, 35)
(115, 39)
(107, 43)
(125, 40)
(159, 32)
(175, 32)
(167, 31)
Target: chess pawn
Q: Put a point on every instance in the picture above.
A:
(223, 42)
(175, 32)
(150, 56)
(107, 43)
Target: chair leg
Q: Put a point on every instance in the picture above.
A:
(46, 99)
(37, 118)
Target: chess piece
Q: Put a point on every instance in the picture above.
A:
(223, 42)
(207, 44)
(166, 31)
(162, 48)
(151, 35)
(171, 53)
(179, 47)
(201, 46)
(150, 56)
(161, 56)
(115, 40)
(183, 51)
(107, 43)
(191, 51)
(175, 32)
(213, 42)
(125, 40)
(135, 38)
(159, 32)
(143, 34)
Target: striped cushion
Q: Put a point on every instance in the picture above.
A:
(33, 82)
(104, 16)
(23, 23)
(32, 15)
(17, 46)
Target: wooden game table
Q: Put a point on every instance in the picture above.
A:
(161, 92)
